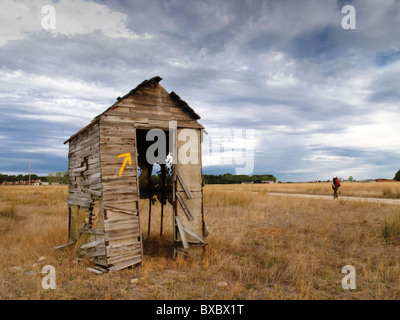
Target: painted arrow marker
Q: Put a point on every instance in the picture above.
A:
(127, 159)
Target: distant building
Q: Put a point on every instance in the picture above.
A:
(268, 181)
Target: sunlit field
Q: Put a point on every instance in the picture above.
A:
(260, 246)
(386, 190)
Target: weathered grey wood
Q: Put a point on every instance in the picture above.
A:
(92, 231)
(92, 244)
(94, 252)
(183, 184)
(131, 212)
(96, 271)
(184, 206)
(194, 234)
(125, 264)
(116, 250)
(182, 232)
(128, 234)
(92, 192)
(122, 258)
(65, 245)
(94, 169)
(80, 169)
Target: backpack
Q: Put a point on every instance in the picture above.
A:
(336, 182)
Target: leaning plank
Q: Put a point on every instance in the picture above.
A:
(126, 264)
(184, 185)
(96, 271)
(122, 226)
(184, 206)
(182, 232)
(193, 234)
(92, 244)
(119, 221)
(132, 212)
(65, 245)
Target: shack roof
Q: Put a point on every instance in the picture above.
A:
(152, 81)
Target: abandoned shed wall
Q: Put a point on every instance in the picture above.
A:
(104, 199)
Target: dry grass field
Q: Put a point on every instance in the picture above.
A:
(262, 246)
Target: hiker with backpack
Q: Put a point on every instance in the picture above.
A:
(335, 187)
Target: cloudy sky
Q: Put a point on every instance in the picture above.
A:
(314, 99)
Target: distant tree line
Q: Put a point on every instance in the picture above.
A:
(20, 177)
(58, 177)
(228, 178)
(397, 176)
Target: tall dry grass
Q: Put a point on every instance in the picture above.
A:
(263, 247)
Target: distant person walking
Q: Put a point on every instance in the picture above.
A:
(335, 187)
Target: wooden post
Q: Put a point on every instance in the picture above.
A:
(162, 196)
(150, 167)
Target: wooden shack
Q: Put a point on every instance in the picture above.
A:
(109, 173)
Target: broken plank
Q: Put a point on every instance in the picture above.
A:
(96, 271)
(193, 234)
(92, 244)
(184, 185)
(182, 232)
(65, 245)
(184, 206)
(125, 264)
(116, 209)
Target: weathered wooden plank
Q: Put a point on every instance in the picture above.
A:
(119, 249)
(120, 220)
(122, 258)
(123, 120)
(122, 227)
(79, 202)
(117, 200)
(92, 244)
(96, 271)
(131, 212)
(125, 264)
(94, 252)
(182, 232)
(122, 236)
(183, 184)
(89, 182)
(115, 114)
(92, 231)
(92, 192)
(65, 245)
(184, 206)
(80, 169)
(193, 234)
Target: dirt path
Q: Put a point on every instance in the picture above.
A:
(317, 196)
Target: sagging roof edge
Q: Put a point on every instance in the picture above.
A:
(153, 80)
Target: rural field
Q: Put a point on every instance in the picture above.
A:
(260, 246)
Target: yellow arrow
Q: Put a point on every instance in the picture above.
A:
(127, 158)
